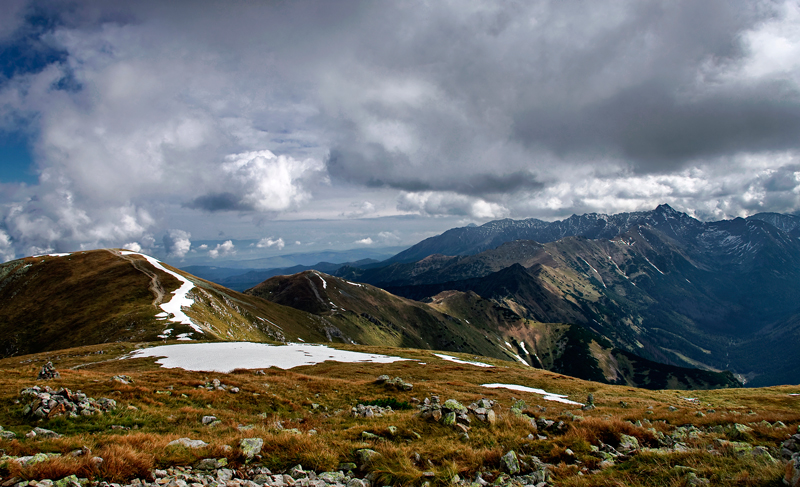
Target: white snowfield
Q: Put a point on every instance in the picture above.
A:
(180, 296)
(227, 356)
(548, 396)
(459, 361)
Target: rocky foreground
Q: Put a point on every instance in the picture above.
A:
(346, 428)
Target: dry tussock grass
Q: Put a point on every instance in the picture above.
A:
(287, 397)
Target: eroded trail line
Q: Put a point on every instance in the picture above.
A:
(142, 266)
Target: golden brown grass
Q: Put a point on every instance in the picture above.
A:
(286, 397)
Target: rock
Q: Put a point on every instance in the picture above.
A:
(382, 379)
(48, 372)
(449, 419)
(356, 483)
(332, 477)
(738, 431)
(628, 443)
(369, 436)
(208, 419)
(43, 433)
(455, 406)
(510, 463)
(791, 475)
(212, 463)
(365, 456)
(491, 417)
(693, 480)
(69, 481)
(346, 466)
(122, 379)
(251, 447)
(7, 435)
(188, 443)
(224, 474)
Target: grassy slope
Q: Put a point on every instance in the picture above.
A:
(49, 303)
(155, 418)
(465, 322)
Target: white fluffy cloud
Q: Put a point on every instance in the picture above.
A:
(449, 203)
(268, 242)
(177, 243)
(364, 241)
(222, 250)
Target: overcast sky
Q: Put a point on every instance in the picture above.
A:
(263, 127)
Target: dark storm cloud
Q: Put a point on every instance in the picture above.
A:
(219, 202)
(650, 126)
(141, 111)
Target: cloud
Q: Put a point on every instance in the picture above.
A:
(134, 246)
(177, 243)
(445, 203)
(222, 250)
(267, 182)
(144, 116)
(267, 242)
(364, 241)
(6, 248)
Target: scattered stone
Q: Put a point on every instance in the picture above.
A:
(208, 419)
(510, 463)
(122, 379)
(188, 443)
(251, 447)
(45, 403)
(370, 411)
(589, 403)
(7, 435)
(365, 456)
(791, 475)
(48, 372)
(44, 433)
(628, 443)
(396, 383)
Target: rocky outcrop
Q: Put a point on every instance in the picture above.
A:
(45, 402)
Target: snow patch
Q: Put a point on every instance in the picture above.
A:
(548, 396)
(654, 266)
(324, 282)
(354, 284)
(54, 255)
(459, 361)
(180, 296)
(227, 356)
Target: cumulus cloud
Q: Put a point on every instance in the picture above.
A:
(364, 241)
(6, 248)
(177, 243)
(268, 242)
(143, 114)
(134, 246)
(448, 203)
(222, 250)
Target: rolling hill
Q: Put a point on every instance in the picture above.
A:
(465, 322)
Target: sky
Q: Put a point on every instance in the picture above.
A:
(207, 130)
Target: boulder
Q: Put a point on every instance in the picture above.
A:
(188, 443)
(251, 446)
(510, 463)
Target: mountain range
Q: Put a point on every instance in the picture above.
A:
(652, 299)
(660, 284)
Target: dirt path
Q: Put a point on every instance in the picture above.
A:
(142, 266)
